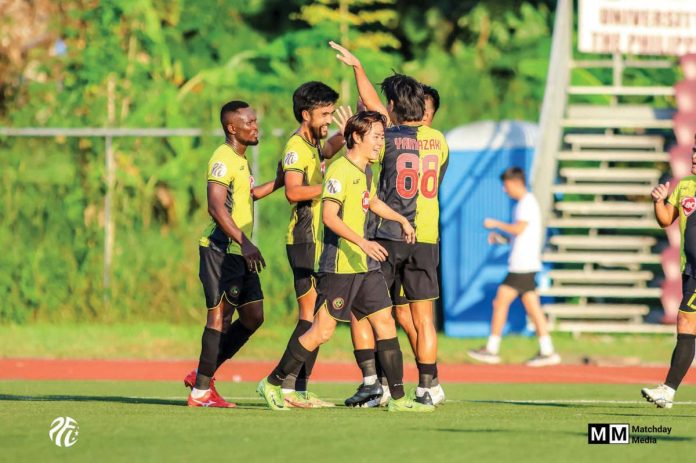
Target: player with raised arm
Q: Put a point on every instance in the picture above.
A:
(313, 107)
(412, 167)
(668, 208)
(350, 281)
(229, 261)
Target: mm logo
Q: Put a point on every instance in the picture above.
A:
(600, 433)
(64, 431)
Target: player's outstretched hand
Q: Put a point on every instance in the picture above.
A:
(496, 238)
(409, 233)
(344, 55)
(374, 250)
(343, 113)
(490, 223)
(252, 256)
(660, 192)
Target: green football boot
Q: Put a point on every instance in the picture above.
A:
(407, 404)
(272, 395)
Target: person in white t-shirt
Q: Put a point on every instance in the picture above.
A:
(525, 236)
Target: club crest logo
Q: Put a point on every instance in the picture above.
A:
(366, 201)
(333, 186)
(218, 170)
(234, 291)
(290, 158)
(64, 431)
(688, 205)
(338, 303)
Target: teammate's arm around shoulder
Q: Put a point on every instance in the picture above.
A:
(267, 188)
(380, 208)
(665, 208)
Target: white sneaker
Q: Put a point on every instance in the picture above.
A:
(386, 395)
(437, 394)
(662, 395)
(544, 360)
(483, 355)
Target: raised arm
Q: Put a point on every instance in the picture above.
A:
(665, 213)
(334, 144)
(368, 94)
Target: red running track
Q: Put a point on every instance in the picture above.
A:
(46, 369)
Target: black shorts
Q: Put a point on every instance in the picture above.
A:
(361, 293)
(227, 274)
(522, 282)
(411, 271)
(301, 258)
(688, 302)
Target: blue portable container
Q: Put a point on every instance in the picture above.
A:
(471, 269)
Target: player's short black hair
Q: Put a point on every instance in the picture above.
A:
(433, 94)
(311, 95)
(231, 107)
(513, 173)
(361, 123)
(407, 95)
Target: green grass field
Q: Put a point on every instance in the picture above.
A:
(138, 421)
(168, 341)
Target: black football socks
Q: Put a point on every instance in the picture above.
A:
(682, 357)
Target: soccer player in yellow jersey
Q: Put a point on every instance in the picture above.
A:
(229, 261)
(681, 205)
(303, 157)
(412, 167)
(350, 281)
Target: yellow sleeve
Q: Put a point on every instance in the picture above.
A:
(674, 197)
(296, 156)
(373, 184)
(335, 184)
(219, 171)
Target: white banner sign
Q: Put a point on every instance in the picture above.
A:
(638, 27)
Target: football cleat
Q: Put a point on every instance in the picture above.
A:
(544, 360)
(296, 399)
(366, 396)
(272, 395)
(386, 395)
(315, 401)
(209, 400)
(437, 394)
(483, 355)
(407, 404)
(662, 396)
(190, 382)
(424, 399)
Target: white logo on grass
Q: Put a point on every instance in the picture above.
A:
(64, 431)
(290, 158)
(333, 186)
(219, 169)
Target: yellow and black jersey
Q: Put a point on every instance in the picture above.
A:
(231, 170)
(413, 164)
(684, 199)
(352, 189)
(301, 156)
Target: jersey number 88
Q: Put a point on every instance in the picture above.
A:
(407, 183)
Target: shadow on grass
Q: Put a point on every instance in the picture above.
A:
(116, 399)
(654, 414)
(92, 398)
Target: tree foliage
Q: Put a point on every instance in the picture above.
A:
(173, 64)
